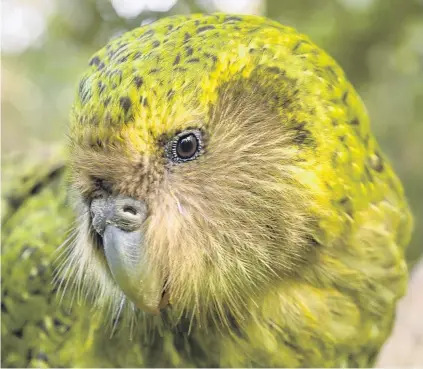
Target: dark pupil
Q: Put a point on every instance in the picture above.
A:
(187, 146)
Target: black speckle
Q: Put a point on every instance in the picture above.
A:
(95, 61)
(36, 189)
(101, 87)
(147, 34)
(205, 28)
(117, 73)
(276, 97)
(187, 36)
(154, 70)
(125, 103)
(376, 162)
(189, 50)
(4, 308)
(144, 101)
(354, 122)
(291, 344)
(155, 44)
(346, 203)
(170, 27)
(312, 241)
(180, 69)
(119, 51)
(211, 56)
(84, 92)
(333, 158)
(302, 135)
(18, 333)
(193, 60)
(137, 55)
(111, 53)
(331, 72)
(138, 81)
(170, 94)
(274, 70)
(108, 120)
(366, 140)
(101, 66)
(343, 200)
(328, 186)
(298, 44)
(284, 101)
(106, 101)
(345, 97)
(177, 59)
(232, 19)
(368, 174)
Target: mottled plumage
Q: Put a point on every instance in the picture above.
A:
(280, 244)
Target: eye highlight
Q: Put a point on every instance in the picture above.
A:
(185, 146)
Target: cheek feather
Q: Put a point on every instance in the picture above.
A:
(214, 228)
(178, 205)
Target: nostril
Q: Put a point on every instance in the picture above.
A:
(130, 209)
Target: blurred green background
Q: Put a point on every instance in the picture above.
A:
(379, 43)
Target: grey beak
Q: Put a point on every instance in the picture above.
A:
(119, 221)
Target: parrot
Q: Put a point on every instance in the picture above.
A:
(221, 202)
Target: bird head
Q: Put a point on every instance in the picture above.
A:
(193, 169)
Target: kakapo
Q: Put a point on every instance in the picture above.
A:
(231, 208)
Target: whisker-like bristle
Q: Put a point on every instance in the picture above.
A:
(117, 316)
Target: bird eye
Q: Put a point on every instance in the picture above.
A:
(185, 146)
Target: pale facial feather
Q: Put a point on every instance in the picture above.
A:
(220, 228)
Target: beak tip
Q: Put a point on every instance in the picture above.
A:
(129, 268)
(157, 307)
